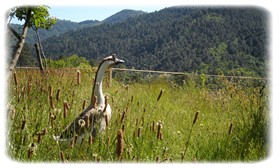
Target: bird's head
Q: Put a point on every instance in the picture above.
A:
(112, 60)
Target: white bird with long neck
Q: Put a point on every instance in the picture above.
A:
(97, 115)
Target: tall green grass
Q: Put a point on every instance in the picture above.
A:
(189, 122)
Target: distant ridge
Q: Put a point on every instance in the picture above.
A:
(122, 16)
(63, 26)
(86, 22)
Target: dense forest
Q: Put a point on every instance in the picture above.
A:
(231, 41)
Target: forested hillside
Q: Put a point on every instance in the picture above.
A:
(206, 40)
(231, 41)
(122, 16)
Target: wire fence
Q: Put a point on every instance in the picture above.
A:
(130, 76)
(71, 72)
(185, 73)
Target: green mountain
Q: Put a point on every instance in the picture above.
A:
(231, 41)
(122, 16)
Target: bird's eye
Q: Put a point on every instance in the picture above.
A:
(114, 57)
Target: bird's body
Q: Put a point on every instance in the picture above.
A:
(97, 115)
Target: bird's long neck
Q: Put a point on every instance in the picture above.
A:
(97, 87)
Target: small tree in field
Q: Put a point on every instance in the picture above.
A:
(33, 16)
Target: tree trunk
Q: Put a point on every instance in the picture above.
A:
(39, 57)
(20, 44)
(41, 48)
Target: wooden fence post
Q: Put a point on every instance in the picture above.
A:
(109, 80)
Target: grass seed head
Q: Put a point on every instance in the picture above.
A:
(120, 144)
(44, 131)
(136, 122)
(123, 128)
(106, 120)
(94, 157)
(72, 143)
(90, 140)
(142, 121)
(230, 129)
(82, 141)
(160, 94)
(139, 132)
(15, 78)
(84, 104)
(31, 149)
(157, 159)
(165, 149)
(134, 133)
(153, 126)
(62, 156)
(123, 116)
(52, 118)
(23, 124)
(51, 101)
(78, 77)
(58, 95)
(161, 136)
(65, 109)
(99, 159)
(159, 130)
(50, 90)
(39, 138)
(195, 117)
(108, 142)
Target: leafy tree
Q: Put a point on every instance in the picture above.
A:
(35, 17)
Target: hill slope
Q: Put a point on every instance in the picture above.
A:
(205, 40)
(122, 16)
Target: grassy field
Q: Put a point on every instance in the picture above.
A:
(161, 119)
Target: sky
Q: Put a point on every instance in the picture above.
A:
(81, 13)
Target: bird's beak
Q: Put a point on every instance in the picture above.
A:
(119, 61)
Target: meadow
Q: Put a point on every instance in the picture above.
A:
(156, 118)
